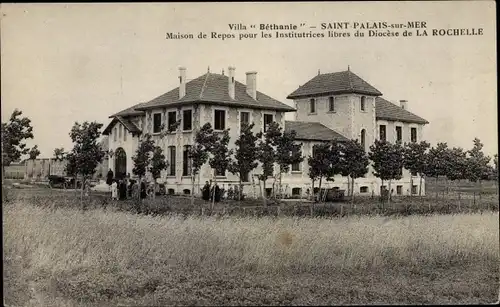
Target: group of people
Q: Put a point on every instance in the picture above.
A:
(122, 189)
(209, 192)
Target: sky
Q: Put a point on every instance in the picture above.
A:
(62, 63)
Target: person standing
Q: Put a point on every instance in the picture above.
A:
(206, 191)
(109, 177)
(217, 193)
(114, 190)
(130, 188)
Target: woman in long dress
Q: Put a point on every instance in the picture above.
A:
(114, 190)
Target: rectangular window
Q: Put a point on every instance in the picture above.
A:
(186, 161)
(312, 106)
(413, 189)
(115, 133)
(363, 189)
(244, 119)
(220, 174)
(268, 118)
(399, 134)
(171, 151)
(296, 167)
(363, 102)
(296, 191)
(220, 120)
(382, 132)
(331, 104)
(125, 134)
(245, 177)
(157, 123)
(187, 120)
(414, 135)
(120, 132)
(399, 189)
(172, 118)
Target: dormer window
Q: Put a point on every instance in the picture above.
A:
(363, 102)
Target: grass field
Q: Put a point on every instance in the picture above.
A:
(66, 257)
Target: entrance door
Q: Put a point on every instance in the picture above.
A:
(120, 163)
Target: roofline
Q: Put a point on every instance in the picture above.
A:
(117, 118)
(422, 122)
(224, 103)
(354, 91)
(126, 115)
(322, 140)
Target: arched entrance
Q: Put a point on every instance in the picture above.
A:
(120, 163)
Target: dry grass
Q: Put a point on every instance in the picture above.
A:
(69, 257)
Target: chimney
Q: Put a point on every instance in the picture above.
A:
(231, 82)
(252, 84)
(403, 104)
(182, 81)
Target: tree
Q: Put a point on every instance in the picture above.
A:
(436, 162)
(387, 161)
(34, 152)
(59, 154)
(87, 152)
(354, 162)
(200, 152)
(457, 166)
(221, 156)
(288, 152)
(266, 154)
(415, 159)
(477, 163)
(14, 134)
(495, 167)
(142, 157)
(324, 163)
(245, 157)
(158, 163)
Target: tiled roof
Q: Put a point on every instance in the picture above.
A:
(209, 88)
(130, 126)
(129, 111)
(335, 83)
(387, 110)
(313, 131)
(213, 88)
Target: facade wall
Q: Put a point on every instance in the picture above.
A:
(347, 119)
(339, 120)
(124, 140)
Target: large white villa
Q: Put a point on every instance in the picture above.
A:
(330, 106)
